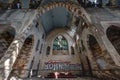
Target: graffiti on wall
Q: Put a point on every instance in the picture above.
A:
(61, 65)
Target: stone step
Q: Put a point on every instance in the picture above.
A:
(80, 78)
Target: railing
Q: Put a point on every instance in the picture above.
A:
(106, 74)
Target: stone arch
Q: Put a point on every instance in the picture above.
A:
(6, 37)
(96, 51)
(70, 6)
(94, 46)
(60, 45)
(23, 57)
(113, 34)
(53, 34)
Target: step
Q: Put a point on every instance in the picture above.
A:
(80, 78)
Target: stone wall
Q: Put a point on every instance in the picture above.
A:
(71, 59)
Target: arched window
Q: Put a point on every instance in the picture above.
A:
(113, 34)
(48, 50)
(41, 48)
(60, 45)
(72, 51)
(37, 46)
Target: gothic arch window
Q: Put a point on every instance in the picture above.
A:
(113, 34)
(41, 48)
(60, 45)
(72, 50)
(48, 50)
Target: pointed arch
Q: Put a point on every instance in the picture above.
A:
(60, 45)
(94, 46)
(76, 10)
(23, 56)
(96, 51)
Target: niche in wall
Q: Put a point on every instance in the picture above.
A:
(113, 34)
(96, 51)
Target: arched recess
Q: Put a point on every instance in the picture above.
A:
(70, 6)
(96, 52)
(60, 46)
(6, 37)
(23, 57)
(113, 34)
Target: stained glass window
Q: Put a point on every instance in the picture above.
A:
(60, 45)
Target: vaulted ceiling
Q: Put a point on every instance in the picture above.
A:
(55, 18)
(58, 17)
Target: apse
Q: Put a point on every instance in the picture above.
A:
(56, 18)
